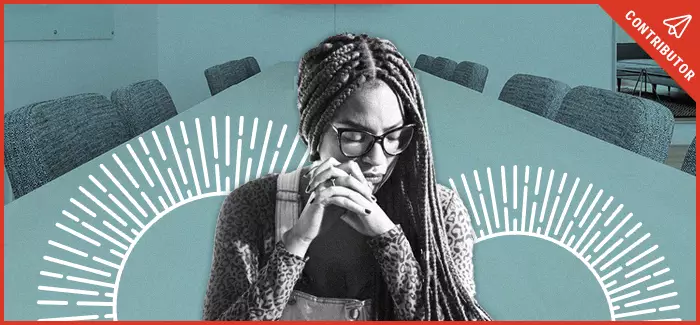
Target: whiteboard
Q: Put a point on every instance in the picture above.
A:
(58, 22)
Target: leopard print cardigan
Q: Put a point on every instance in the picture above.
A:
(252, 276)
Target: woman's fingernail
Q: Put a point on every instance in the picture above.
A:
(308, 188)
(367, 211)
(312, 200)
(374, 198)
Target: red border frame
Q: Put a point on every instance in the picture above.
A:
(652, 13)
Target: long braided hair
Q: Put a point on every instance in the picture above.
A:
(328, 75)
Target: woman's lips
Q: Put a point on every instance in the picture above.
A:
(374, 179)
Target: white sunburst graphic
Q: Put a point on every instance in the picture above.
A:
(605, 238)
(141, 182)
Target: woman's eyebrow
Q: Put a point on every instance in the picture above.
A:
(353, 124)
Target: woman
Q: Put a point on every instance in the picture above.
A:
(365, 233)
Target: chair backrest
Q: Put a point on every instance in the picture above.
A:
(689, 161)
(471, 75)
(423, 62)
(539, 95)
(222, 76)
(637, 124)
(145, 104)
(443, 67)
(48, 139)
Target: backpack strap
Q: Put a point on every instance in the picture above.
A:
(287, 207)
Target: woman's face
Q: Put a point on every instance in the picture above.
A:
(373, 108)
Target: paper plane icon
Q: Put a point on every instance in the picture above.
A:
(677, 25)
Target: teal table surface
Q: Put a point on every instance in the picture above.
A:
(569, 227)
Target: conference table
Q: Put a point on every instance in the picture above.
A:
(568, 226)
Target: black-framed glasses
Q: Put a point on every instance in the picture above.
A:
(356, 143)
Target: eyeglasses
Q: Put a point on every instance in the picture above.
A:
(356, 143)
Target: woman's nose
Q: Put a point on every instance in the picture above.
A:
(375, 156)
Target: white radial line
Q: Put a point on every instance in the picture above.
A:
(532, 215)
(644, 267)
(629, 285)
(228, 184)
(629, 233)
(228, 140)
(515, 224)
(176, 154)
(108, 316)
(617, 210)
(453, 186)
(515, 187)
(546, 194)
(117, 254)
(51, 274)
(264, 149)
(291, 152)
(612, 233)
(280, 140)
(126, 171)
(202, 155)
(566, 232)
(138, 162)
(659, 285)
(184, 133)
(162, 202)
(493, 199)
(175, 183)
(105, 236)
(104, 207)
(77, 266)
(70, 216)
(625, 296)
(123, 190)
(95, 303)
(551, 215)
(635, 313)
(109, 294)
(590, 209)
(78, 234)
(486, 213)
(647, 300)
(607, 203)
(613, 272)
(68, 248)
(240, 126)
(506, 218)
(657, 273)
(585, 233)
(607, 252)
(254, 132)
(537, 183)
(667, 308)
(215, 141)
(504, 189)
(160, 147)
(136, 233)
(189, 194)
(640, 256)
(304, 158)
(97, 183)
(524, 209)
(624, 252)
(247, 170)
(273, 163)
(561, 184)
(238, 162)
(71, 318)
(194, 172)
(143, 145)
(148, 201)
(107, 263)
(566, 206)
(218, 179)
(52, 302)
(123, 208)
(88, 281)
(608, 285)
(69, 290)
(84, 208)
(477, 181)
(527, 174)
(118, 232)
(583, 200)
(571, 240)
(471, 200)
(590, 242)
